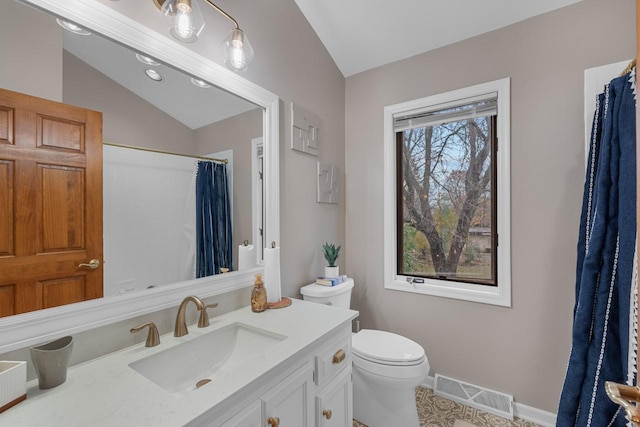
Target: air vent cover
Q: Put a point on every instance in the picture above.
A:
(474, 396)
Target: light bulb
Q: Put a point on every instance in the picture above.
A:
(184, 18)
(237, 50)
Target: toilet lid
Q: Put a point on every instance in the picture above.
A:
(386, 347)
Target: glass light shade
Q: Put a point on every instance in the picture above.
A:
(185, 19)
(237, 50)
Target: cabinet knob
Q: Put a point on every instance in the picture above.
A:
(327, 413)
(339, 356)
(273, 421)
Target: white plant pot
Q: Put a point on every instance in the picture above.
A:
(331, 272)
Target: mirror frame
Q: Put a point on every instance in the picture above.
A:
(22, 330)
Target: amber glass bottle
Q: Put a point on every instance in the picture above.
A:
(258, 296)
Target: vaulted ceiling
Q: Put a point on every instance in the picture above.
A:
(364, 34)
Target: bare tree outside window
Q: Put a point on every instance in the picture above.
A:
(446, 205)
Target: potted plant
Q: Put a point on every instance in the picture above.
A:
(331, 253)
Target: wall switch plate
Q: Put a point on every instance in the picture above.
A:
(305, 130)
(327, 183)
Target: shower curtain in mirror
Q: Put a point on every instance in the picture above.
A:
(214, 249)
(604, 336)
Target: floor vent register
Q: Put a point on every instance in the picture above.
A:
(474, 396)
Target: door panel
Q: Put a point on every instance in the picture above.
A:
(6, 125)
(7, 300)
(60, 208)
(50, 203)
(63, 291)
(6, 208)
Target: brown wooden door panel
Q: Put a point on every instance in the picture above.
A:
(60, 208)
(7, 229)
(6, 125)
(7, 300)
(51, 180)
(63, 291)
(57, 133)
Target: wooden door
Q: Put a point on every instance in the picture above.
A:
(50, 203)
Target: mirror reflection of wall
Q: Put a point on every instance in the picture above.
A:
(172, 115)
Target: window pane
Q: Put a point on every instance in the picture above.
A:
(446, 210)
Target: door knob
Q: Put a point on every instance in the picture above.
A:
(327, 413)
(273, 421)
(93, 264)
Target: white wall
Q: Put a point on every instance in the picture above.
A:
(521, 350)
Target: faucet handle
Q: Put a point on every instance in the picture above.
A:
(153, 338)
(203, 322)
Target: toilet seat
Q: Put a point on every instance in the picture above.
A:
(386, 348)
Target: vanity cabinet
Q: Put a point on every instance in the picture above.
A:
(334, 388)
(285, 368)
(251, 416)
(316, 393)
(334, 405)
(290, 403)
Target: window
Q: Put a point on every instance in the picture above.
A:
(446, 195)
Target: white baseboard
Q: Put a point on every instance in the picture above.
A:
(520, 410)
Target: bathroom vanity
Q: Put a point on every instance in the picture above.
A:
(287, 367)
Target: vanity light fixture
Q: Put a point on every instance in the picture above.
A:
(72, 28)
(186, 21)
(200, 83)
(153, 75)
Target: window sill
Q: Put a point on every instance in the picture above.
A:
(494, 295)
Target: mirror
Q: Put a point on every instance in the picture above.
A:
(244, 96)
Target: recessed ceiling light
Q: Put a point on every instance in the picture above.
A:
(71, 27)
(200, 83)
(146, 60)
(153, 75)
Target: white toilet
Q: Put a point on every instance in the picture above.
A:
(387, 367)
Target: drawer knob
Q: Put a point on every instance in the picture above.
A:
(327, 413)
(339, 356)
(273, 421)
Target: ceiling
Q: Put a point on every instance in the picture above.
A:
(364, 34)
(175, 94)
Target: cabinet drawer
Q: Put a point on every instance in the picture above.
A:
(332, 360)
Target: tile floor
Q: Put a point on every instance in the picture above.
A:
(435, 411)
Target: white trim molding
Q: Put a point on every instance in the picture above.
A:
(496, 295)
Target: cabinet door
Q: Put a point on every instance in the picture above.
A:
(290, 403)
(334, 404)
(251, 416)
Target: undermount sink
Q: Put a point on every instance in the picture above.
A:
(194, 363)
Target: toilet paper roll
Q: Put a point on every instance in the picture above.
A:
(246, 257)
(272, 274)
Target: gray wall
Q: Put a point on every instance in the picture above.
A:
(521, 350)
(24, 49)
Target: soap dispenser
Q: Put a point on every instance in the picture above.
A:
(258, 296)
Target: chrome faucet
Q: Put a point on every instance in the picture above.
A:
(180, 329)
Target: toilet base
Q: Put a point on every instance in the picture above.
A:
(382, 401)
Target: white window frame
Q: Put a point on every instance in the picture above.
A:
(496, 295)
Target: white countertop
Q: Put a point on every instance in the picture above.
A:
(107, 392)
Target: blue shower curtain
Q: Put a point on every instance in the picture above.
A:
(214, 249)
(601, 348)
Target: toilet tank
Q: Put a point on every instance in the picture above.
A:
(338, 295)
